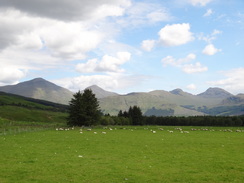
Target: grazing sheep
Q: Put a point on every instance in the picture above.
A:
(171, 131)
(95, 132)
(81, 132)
(104, 133)
(153, 131)
(89, 129)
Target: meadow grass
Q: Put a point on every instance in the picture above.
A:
(133, 154)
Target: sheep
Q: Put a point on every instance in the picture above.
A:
(104, 133)
(171, 131)
(89, 129)
(153, 131)
(95, 132)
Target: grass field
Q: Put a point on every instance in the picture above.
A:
(123, 155)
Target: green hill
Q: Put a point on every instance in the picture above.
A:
(18, 108)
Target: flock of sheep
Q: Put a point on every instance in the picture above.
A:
(152, 131)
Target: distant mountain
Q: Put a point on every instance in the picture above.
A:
(40, 88)
(101, 93)
(233, 100)
(215, 93)
(179, 91)
(214, 101)
(177, 103)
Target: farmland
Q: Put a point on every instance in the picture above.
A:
(124, 154)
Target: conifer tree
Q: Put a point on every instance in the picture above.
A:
(84, 109)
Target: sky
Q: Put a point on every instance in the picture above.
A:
(124, 45)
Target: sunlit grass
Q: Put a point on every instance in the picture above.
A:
(123, 155)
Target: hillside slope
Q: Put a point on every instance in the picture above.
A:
(18, 108)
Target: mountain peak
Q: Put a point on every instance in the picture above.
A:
(177, 91)
(215, 93)
(38, 79)
(180, 92)
(40, 88)
(101, 93)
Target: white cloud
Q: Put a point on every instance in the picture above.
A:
(169, 60)
(193, 68)
(11, 75)
(182, 63)
(233, 82)
(211, 37)
(42, 39)
(148, 45)
(191, 87)
(159, 15)
(70, 10)
(110, 82)
(176, 34)
(208, 13)
(210, 50)
(107, 63)
(140, 13)
(199, 2)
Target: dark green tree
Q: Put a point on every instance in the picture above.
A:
(84, 109)
(136, 115)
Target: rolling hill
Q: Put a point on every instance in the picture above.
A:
(18, 108)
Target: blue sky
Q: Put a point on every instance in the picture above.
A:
(124, 45)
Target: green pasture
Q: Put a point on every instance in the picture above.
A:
(125, 154)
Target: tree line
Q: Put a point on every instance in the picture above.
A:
(84, 110)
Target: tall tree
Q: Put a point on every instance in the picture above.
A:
(84, 109)
(136, 115)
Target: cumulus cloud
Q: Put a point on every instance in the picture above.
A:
(176, 34)
(208, 13)
(182, 63)
(210, 50)
(193, 68)
(148, 45)
(199, 2)
(42, 34)
(109, 81)
(106, 64)
(69, 10)
(11, 75)
(233, 81)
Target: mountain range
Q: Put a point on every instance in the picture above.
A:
(214, 101)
